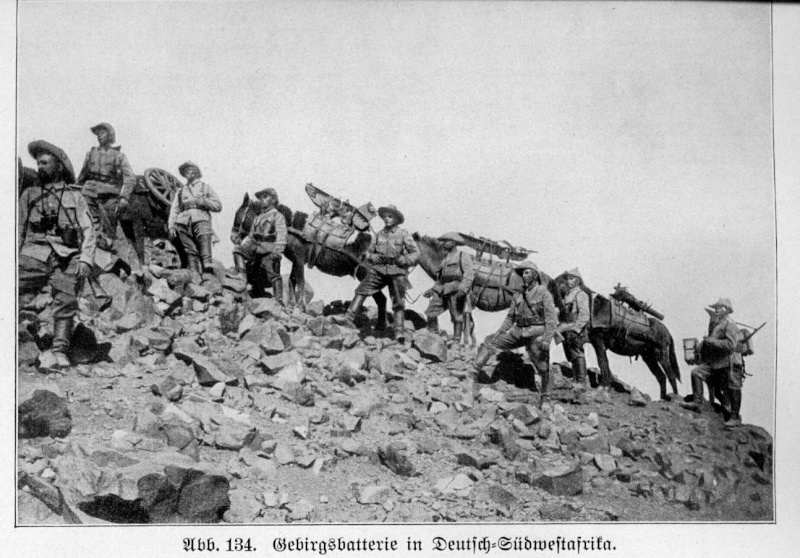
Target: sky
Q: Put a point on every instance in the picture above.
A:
(632, 140)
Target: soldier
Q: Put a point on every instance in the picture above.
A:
(265, 244)
(108, 181)
(391, 252)
(576, 328)
(190, 217)
(719, 357)
(453, 285)
(57, 241)
(531, 323)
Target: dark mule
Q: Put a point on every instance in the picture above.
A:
(301, 252)
(485, 296)
(146, 217)
(653, 343)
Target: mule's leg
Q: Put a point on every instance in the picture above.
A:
(295, 252)
(599, 346)
(653, 364)
(666, 366)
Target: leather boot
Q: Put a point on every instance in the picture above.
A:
(62, 333)
(399, 326)
(348, 320)
(579, 371)
(544, 389)
(458, 331)
(696, 404)
(277, 290)
(736, 407)
(484, 353)
(205, 253)
(194, 264)
(433, 325)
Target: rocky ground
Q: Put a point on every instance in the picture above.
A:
(201, 407)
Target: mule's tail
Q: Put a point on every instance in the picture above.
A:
(673, 359)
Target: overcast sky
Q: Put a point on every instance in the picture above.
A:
(633, 140)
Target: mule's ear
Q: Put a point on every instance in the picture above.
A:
(246, 198)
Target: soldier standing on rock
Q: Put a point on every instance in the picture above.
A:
(190, 217)
(453, 285)
(719, 359)
(57, 242)
(390, 254)
(576, 329)
(531, 323)
(108, 181)
(265, 243)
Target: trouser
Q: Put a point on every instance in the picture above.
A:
(713, 377)
(375, 281)
(573, 344)
(196, 240)
(103, 209)
(538, 351)
(60, 273)
(455, 303)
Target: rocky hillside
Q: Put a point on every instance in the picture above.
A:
(194, 405)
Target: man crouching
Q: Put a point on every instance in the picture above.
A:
(531, 323)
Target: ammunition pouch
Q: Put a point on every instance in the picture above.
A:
(527, 321)
(97, 177)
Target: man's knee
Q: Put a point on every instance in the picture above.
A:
(701, 372)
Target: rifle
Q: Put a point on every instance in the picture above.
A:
(749, 336)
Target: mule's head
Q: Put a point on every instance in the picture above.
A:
(244, 217)
(432, 252)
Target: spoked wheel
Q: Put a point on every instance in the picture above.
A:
(161, 184)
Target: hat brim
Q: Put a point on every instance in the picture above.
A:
(383, 211)
(41, 146)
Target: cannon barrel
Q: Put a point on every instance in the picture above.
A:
(623, 295)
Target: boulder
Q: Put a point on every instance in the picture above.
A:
(44, 414)
(207, 372)
(431, 346)
(561, 480)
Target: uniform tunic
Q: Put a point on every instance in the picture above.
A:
(722, 361)
(267, 236)
(44, 214)
(531, 323)
(106, 176)
(575, 330)
(190, 215)
(453, 284)
(391, 252)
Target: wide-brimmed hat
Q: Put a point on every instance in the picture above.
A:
(724, 302)
(40, 146)
(522, 266)
(453, 237)
(390, 209)
(186, 166)
(574, 273)
(261, 194)
(112, 135)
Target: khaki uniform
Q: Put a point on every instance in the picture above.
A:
(190, 216)
(391, 252)
(453, 286)
(531, 323)
(576, 328)
(267, 239)
(56, 232)
(106, 177)
(723, 362)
